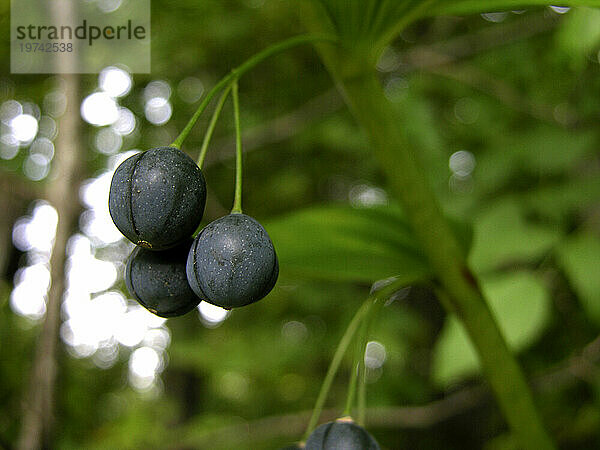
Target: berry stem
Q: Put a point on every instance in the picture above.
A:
(351, 388)
(237, 203)
(362, 369)
(359, 353)
(335, 364)
(186, 130)
(362, 392)
(211, 126)
(358, 374)
(363, 311)
(242, 69)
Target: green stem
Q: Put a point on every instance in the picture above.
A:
(186, 130)
(362, 391)
(237, 203)
(211, 126)
(381, 294)
(335, 364)
(242, 69)
(408, 182)
(357, 375)
(356, 364)
(351, 388)
(362, 372)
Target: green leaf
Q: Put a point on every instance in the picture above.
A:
(358, 20)
(520, 305)
(462, 7)
(579, 257)
(369, 25)
(344, 243)
(503, 235)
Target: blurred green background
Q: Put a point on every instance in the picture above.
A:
(503, 108)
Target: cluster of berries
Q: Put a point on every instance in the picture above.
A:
(157, 200)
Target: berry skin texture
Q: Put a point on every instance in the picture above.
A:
(157, 280)
(157, 198)
(341, 435)
(232, 262)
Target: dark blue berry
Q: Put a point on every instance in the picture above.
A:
(157, 280)
(232, 262)
(157, 198)
(341, 435)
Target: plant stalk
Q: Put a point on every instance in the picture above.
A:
(335, 364)
(364, 95)
(237, 203)
(211, 126)
(362, 369)
(374, 297)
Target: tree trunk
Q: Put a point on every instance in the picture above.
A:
(62, 193)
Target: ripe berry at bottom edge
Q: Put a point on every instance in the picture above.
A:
(157, 280)
(232, 262)
(157, 197)
(341, 435)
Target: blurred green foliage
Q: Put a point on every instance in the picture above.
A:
(524, 104)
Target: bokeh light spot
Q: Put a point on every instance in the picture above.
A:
(24, 127)
(114, 81)
(99, 109)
